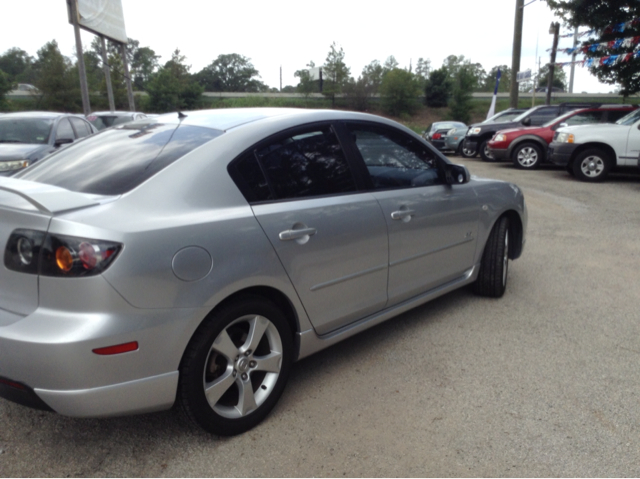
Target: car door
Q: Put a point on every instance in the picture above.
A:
(330, 237)
(432, 225)
(633, 146)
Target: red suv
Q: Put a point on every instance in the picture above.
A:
(527, 146)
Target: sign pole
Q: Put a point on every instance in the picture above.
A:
(84, 89)
(127, 77)
(107, 74)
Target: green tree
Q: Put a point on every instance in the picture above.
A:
(5, 87)
(231, 73)
(489, 81)
(372, 76)
(306, 85)
(463, 84)
(335, 73)
(454, 63)
(399, 92)
(423, 68)
(599, 16)
(559, 78)
(15, 63)
(56, 79)
(438, 88)
(172, 87)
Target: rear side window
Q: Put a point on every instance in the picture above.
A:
(304, 164)
(117, 160)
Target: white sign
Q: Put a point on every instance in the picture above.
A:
(523, 76)
(103, 17)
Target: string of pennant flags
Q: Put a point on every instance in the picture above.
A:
(613, 28)
(594, 47)
(606, 60)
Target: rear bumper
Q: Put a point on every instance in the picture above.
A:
(47, 359)
(561, 153)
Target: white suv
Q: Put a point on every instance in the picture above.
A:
(590, 152)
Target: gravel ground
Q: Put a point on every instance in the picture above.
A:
(542, 382)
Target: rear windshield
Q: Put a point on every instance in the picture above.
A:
(105, 121)
(119, 159)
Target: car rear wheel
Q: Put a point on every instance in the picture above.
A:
(527, 156)
(494, 266)
(236, 366)
(592, 165)
(485, 154)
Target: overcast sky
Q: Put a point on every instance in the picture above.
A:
(291, 33)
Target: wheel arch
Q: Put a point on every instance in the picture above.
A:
(608, 149)
(516, 231)
(528, 139)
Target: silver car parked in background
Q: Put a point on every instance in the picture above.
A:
(193, 258)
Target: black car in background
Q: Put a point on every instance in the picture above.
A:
(480, 133)
(27, 137)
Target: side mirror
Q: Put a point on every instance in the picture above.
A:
(456, 174)
(526, 122)
(62, 141)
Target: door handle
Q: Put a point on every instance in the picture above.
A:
(402, 214)
(297, 234)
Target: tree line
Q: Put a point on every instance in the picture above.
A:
(172, 85)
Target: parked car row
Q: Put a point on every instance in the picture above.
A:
(27, 137)
(588, 139)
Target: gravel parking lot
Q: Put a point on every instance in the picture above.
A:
(542, 382)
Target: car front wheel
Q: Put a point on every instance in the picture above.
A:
(485, 154)
(592, 165)
(527, 156)
(494, 266)
(236, 366)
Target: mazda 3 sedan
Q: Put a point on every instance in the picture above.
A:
(191, 258)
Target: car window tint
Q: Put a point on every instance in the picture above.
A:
(306, 164)
(585, 118)
(117, 160)
(81, 127)
(64, 131)
(25, 130)
(615, 115)
(542, 115)
(395, 160)
(254, 184)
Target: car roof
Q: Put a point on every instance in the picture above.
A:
(116, 113)
(38, 114)
(226, 119)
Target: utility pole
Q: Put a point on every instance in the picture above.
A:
(555, 30)
(127, 77)
(84, 88)
(515, 55)
(573, 60)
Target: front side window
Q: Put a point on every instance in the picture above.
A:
(64, 131)
(543, 115)
(395, 160)
(81, 127)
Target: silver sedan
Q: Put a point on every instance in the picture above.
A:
(192, 258)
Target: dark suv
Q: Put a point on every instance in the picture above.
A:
(480, 133)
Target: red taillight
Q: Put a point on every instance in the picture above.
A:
(437, 136)
(13, 384)
(117, 349)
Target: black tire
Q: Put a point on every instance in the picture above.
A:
(467, 153)
(237, 370)
(592, 165)
(494, 266)
(527, 156)
(484, 152)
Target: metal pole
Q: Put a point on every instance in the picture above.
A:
(107, 74)
(555, 29)
(515, 55)
(127, 77)
(573, 60)
(84, 88)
